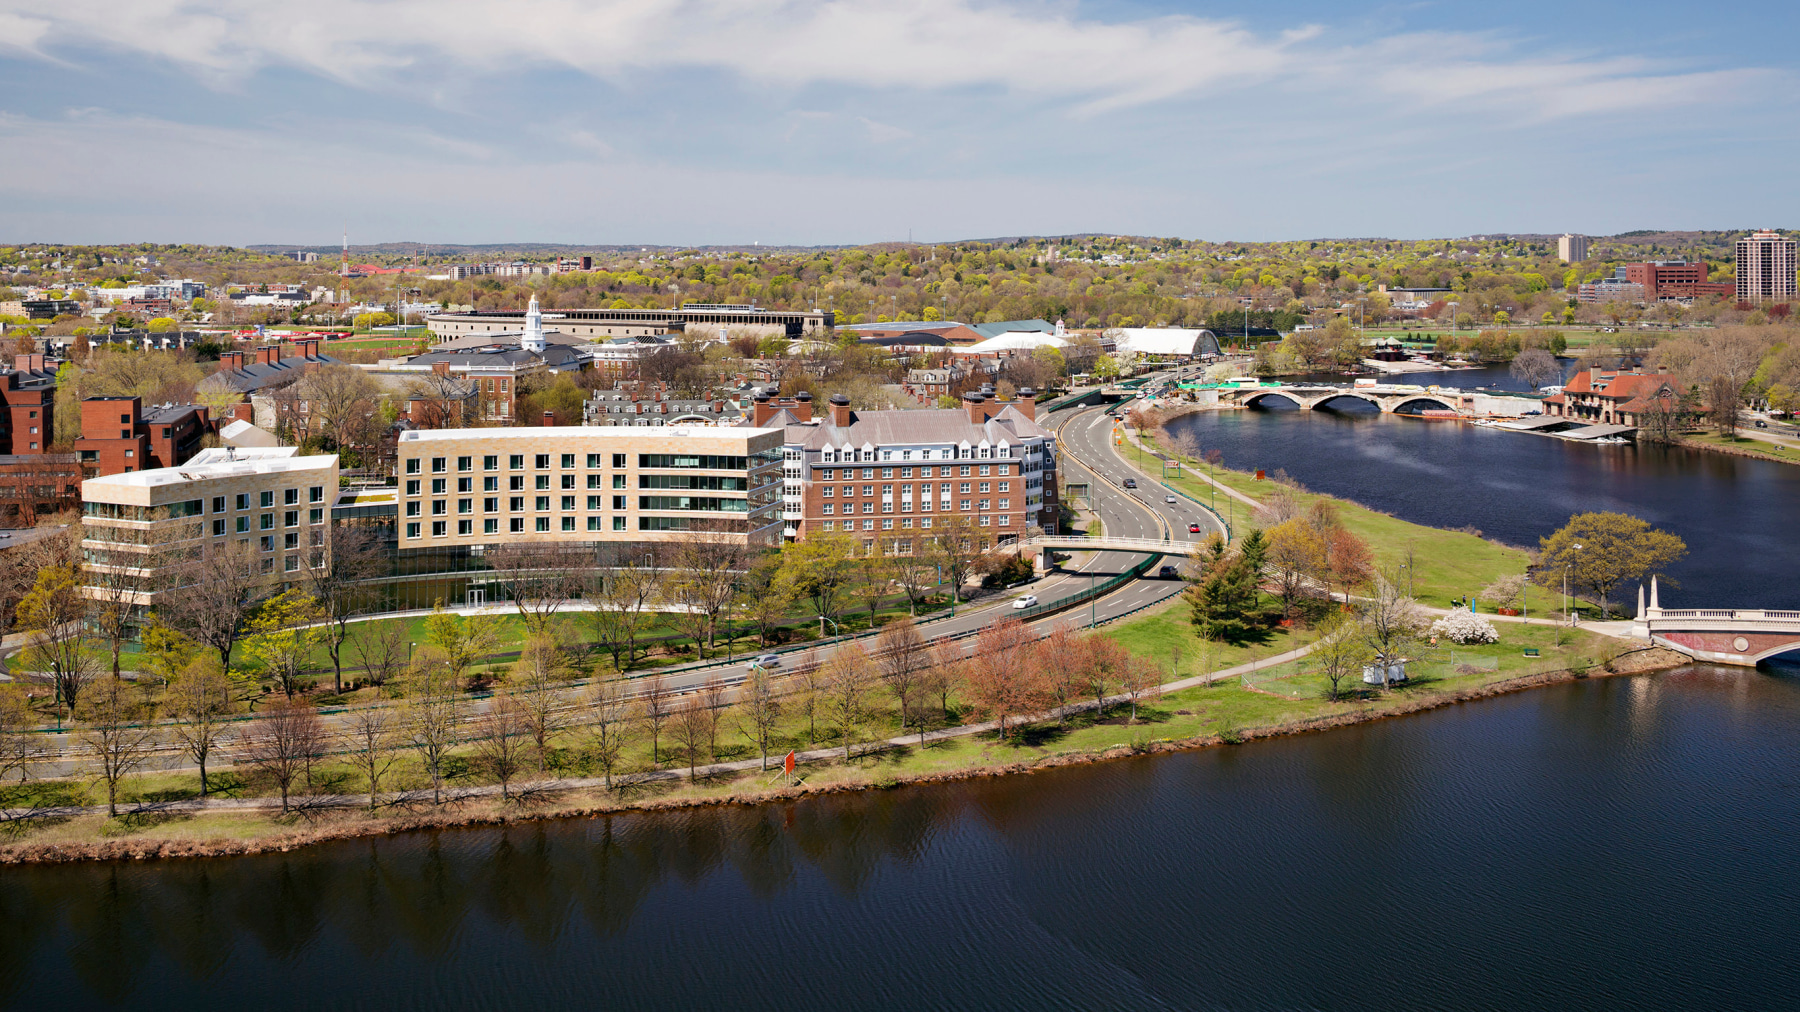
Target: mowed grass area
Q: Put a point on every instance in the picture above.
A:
(1776, 450)
(1445, 564)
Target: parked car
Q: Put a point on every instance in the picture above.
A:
(1193, 528)
(1025, 602)
(1169, 573)
(768, 661)
(1170, 499)
(1761, 424)
(1131, 483)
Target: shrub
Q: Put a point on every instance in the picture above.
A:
(1465, 627)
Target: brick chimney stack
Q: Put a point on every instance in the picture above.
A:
(549, 418)
(840, 411)
(802, 406)
(29, 363)
(761, 409)
(269, 355)
(975, 403)
(1027, 403)
(231, 361)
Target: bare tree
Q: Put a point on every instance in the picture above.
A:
(198, 703)
(284, 742)
(542, 666)
(759, 710)
(808, 689)
(1141, 680)
(434, 709)
(691, 727)
(874, 574)
(658, 704)
(915, 579)
(1391, 623)
(624, 598)
(957, 548)
(710, 562)
(381, 648)
(503, 735)
(943, 677)
(341, 398)
(539, 579)
(1063, 655)
(1536, 366)
(336, 580)
(718, 702)
(848, 678)
(609, 727)
(903, 657)
(212, 596)
(1724, 401)
(371, 738)
(765, 596)
(116, 735)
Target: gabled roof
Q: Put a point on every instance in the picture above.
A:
(1010, 326)
(938, 427)
(256, 375)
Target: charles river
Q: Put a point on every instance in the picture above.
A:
(1623, 843)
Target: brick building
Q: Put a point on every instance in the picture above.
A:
(1610, 397)
(891, 478)
(28, 392)
(33, 484)
(1675, 279)
(248, 373)
(119, 436)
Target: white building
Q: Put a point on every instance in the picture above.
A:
(1765, 267)
(1572, 248)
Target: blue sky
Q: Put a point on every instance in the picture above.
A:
(787, 121)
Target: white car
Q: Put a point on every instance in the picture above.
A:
(1170, 499)
(1025, 602)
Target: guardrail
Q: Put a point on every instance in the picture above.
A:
(1222, 521)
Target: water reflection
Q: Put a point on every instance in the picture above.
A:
(1537, 843)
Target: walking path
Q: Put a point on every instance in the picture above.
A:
(319, 802)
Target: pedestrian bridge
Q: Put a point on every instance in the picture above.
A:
(1734, 636)
(1388, 398)
(1049, 543)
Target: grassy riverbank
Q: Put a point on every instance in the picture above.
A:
(1287, 698)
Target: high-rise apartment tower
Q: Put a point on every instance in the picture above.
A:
(1765, 267)
(1572, 248)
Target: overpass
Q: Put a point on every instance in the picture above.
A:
(1720, 636)
(1387, 397)
(1049, 543)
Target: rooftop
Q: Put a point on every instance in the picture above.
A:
(200, 472)
(591, 431)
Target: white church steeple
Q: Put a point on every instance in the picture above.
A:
(533, 338)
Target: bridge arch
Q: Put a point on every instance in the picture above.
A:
(1327, 403)
(1257, 399)
(1426, 402)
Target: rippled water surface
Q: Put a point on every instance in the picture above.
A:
(1738, 515)
(1611, 844)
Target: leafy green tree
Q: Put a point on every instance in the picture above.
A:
(282, 634)
(1600, 551)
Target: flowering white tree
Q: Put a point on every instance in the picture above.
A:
(1466, 628)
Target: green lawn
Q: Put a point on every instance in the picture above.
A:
(1776, 450)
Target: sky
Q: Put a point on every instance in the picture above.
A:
(851, 121)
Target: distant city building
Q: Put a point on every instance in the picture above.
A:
(636, 402)
(1765, 267)
(495, 362)
(598, 324)
(568, 265)
(1610, 397)
(1674, 279)
(33, 484)
(1572, 248)
(1617, 288)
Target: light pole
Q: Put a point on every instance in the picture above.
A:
(1567, 566)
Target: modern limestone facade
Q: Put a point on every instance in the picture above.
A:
(566, 485)
(273, 505)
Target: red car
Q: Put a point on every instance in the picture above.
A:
(1193, 528)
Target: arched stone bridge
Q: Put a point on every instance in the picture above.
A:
(1388, 398)
(1720, 636)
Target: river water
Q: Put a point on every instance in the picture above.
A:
(1738, 515)
(1623, 843)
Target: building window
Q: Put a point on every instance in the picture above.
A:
(465, 505)
(268, 565)
(593, 460)
(490, 505)
(266, 542)
(490, 484)
(593, 502)
(218, 528)
(515, 462)
(439, 507)
(243, 501)
(568, 461)
(412, 486)
(465, 463)
(490, 527)
(437, 465)
(490, 463)
(543, 525)
(618, 502)
(266, 499)
(465, 527)
(516, 483)
(291, 540)
(568, 524)
(541, 461)
(465, 484)
(438, 486)
(516, 504)
(1005, 521)
(412, 509)
(618, 461)
(925, 522)
(542, 503)
(618, 481)
(439, 528)
(516, 525)
(543, 483)
(887, 525)
(267, 522)
(618, 523)
(290, 518)
(868, 525)
(315, 494)
(827, 509)
(568, 502)
(243, 525)
(218, 504)
(412, 465)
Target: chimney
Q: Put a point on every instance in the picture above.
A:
(440, 368)
(803, 406)
(1027, 403)
(975, 403)
(840, 411)
(549, 419)
(29, 363)
(268, 355)
(761, 410)
(1662, 370)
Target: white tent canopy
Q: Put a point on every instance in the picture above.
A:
(1164, 341)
